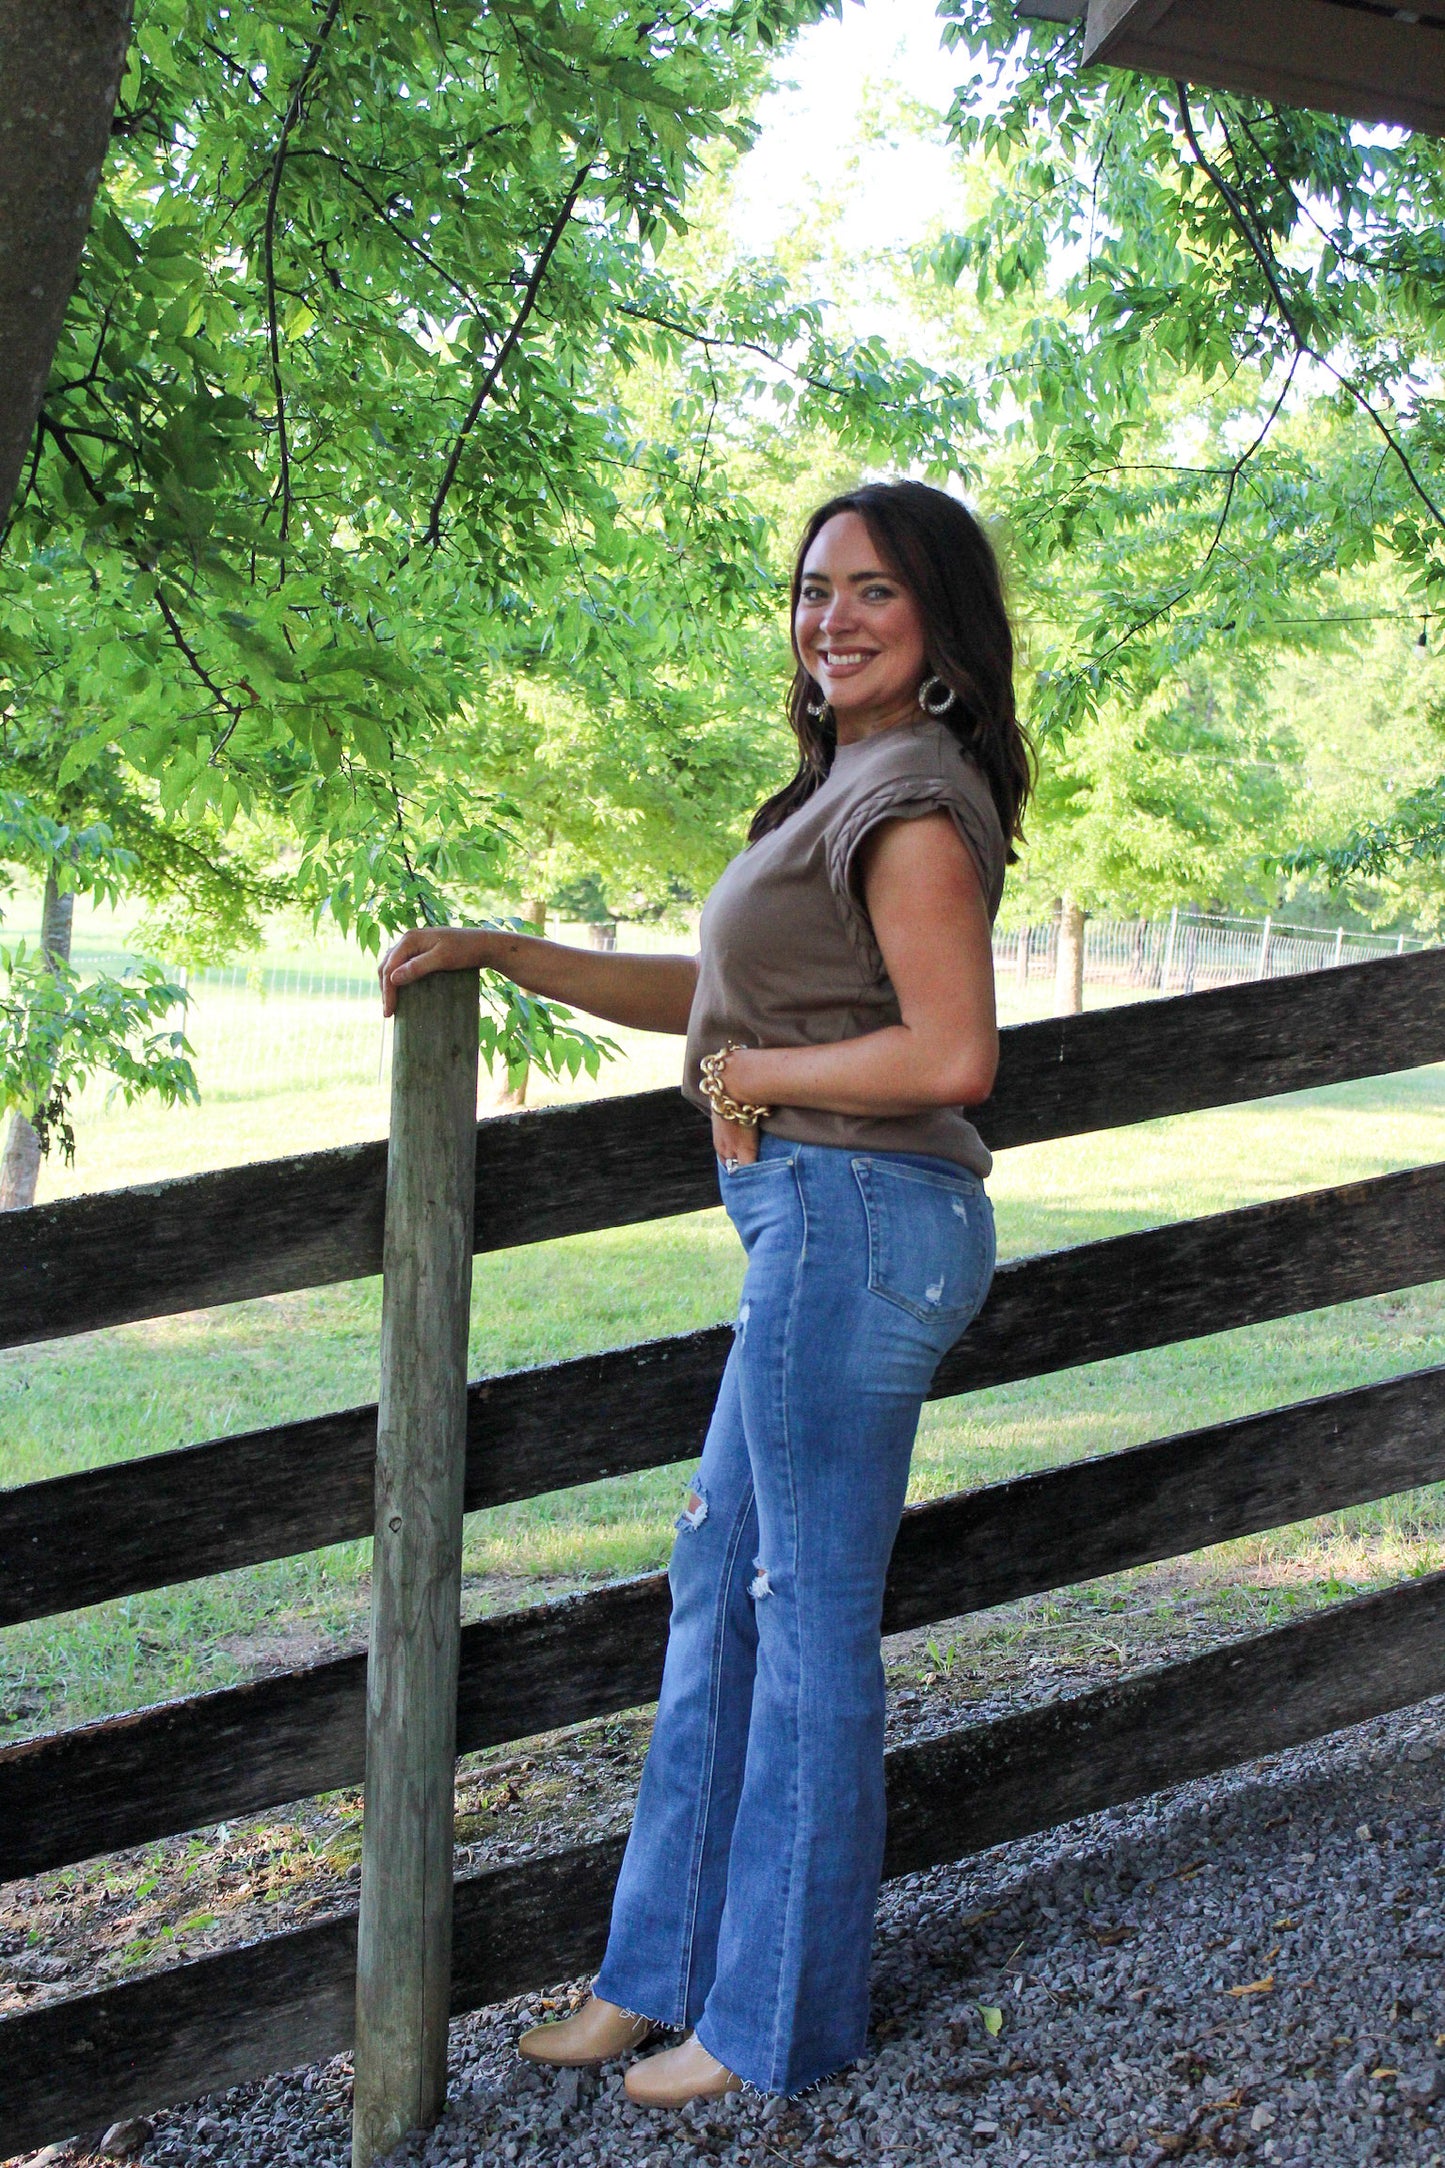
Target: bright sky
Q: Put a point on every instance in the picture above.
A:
(810, 127)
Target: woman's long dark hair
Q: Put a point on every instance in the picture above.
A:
(941, 554)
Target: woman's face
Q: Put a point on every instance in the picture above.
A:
(858, 629)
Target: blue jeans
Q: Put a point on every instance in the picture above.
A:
(744, 1908)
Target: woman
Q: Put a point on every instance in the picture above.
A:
(839, 1020)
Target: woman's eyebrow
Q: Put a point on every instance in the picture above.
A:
(854, 579)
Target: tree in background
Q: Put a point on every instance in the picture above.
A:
(1216, 426)
(1368, 764)
(1184, 799)
(337, 428)
(104, 837)
(56, 1033)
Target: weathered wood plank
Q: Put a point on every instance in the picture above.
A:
(1166, 1498)
(275, 1225)
(1107, 1068)
(230, 1502)
(259, 1744)
(990, 1784)
(404, 1950)
(242, 2013)
(163, 1247)
(129, 1779)
(194, 2028)
(281, 1224)
(1204, 1276)
(264, 1494)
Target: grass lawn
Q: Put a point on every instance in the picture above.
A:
(145, 1388)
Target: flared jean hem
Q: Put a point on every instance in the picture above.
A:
(765, 2089)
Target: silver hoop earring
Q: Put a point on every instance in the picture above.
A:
(936, 696)
(817, 709)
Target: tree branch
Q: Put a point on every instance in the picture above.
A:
(407, 240)
(1270, 269)
(432, 532)
(1243, 461)
(173, 626)
(229, 60)
(709, 340)
(48, 426)
(1375, 266)
(278, 163)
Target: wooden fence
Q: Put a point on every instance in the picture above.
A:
(301, 1222)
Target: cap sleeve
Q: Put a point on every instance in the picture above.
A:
(964, 796)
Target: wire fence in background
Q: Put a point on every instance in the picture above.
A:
(1188, 951)
(259, 1029)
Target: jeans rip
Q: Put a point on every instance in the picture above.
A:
(694, 1509)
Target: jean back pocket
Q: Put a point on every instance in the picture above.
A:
(930, 1239)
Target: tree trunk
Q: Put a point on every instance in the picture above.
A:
(1069, 974)
(511, 1097)
(60, 70)
(20, 1166)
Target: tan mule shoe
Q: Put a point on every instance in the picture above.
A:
(679, 2074)
(593, 2034)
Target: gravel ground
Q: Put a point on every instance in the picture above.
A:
(1250, 1965)
(136, 1912)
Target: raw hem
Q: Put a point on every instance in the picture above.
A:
(754, 2091)
(642, 2017)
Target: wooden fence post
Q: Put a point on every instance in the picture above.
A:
(403, 1981)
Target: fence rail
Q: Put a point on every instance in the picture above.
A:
(127, 1780)
(274, 1226)
(260, 1230)
(232, 1502)
(220, 2020)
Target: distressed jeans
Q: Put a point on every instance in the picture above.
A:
(744, 1908)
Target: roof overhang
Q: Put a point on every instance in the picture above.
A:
(1363, 58)
(1374, 63)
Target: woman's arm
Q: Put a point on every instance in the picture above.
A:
(932, 927)
(646, 993)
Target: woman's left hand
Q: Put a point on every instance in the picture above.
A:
(734, 1141)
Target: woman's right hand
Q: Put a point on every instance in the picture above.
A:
(424, 950)
(644, 993)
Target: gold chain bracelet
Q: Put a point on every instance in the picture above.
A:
(717, 1095)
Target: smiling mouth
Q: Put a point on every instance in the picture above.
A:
(840, 659)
